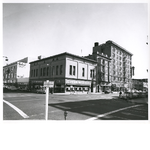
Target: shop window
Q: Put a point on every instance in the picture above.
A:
(80, 88)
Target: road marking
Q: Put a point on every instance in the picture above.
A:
(17, 109)
(111, 112)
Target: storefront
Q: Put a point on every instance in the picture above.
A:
(105, 87)
(23, 83)
(79, 86)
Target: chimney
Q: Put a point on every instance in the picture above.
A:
(96, 44)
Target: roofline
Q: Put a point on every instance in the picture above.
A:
(15, 62)
(65, 53)
(119, 46)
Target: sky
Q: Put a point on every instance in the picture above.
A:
(47, 29)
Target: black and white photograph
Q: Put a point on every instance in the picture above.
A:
(67, 62)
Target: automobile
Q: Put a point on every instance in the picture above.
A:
(107, 91)
(43, 91)
(13, 88)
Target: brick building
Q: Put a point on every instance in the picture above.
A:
(17, 73)
(119, 62)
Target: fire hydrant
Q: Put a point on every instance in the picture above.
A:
(65, 114)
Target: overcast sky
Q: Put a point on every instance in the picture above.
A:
(49, 29)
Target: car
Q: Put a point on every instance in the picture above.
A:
(107, 91)
(43, 91)
(13, 88)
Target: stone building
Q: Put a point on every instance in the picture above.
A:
(70, 73)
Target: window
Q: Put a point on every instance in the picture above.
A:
(47, 70)
(56, 70)
(82, 72)
(70, 71)
(31, 73)
(53, 71)
(74, 69)
(36, 72)
(44, 69)
(41, 71)
(61, 67)
(91, 73)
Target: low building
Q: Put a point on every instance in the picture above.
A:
(17, 73)
(70, 73)
(140, 84)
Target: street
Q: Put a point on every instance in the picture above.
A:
(31, 106)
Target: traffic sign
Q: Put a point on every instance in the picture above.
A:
(49, 83)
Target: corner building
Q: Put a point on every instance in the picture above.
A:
(70, 73)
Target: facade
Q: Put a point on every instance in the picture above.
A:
(140, 84)
(120, 64)
(103, 78)
(69, 72)
(17, 73)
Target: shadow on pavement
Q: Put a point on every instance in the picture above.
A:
(92, 107)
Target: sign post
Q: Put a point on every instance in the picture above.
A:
(47, 84)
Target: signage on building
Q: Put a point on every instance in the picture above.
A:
(78, 82)
(145, 84)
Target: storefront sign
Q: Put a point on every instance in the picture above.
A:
(78, 82)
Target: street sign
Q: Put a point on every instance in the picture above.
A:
(49, 83)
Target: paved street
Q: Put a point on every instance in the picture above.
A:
(31, 106)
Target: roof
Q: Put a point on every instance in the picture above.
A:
(25, 60)
(65, 53)
(118, 46)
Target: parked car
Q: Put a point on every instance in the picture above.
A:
(43, 91)
(107, 91)
(13, 88)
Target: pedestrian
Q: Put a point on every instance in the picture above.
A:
(120, 93)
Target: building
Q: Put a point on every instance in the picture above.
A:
(140, 84)
(69, 72)
(103, 78)
(119, 62)
(17, 73)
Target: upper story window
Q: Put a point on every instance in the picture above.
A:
(92, 73)
(74, 69)
(83, 72)
(70, 71)
(41, 71)
(44, 69)
(47, 70)
(56, 70)
(36, 72)
(61, 67)
(53, 70)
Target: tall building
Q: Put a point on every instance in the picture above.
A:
(120, 64)
(103, 78)
(17, 73)
(69, 72)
